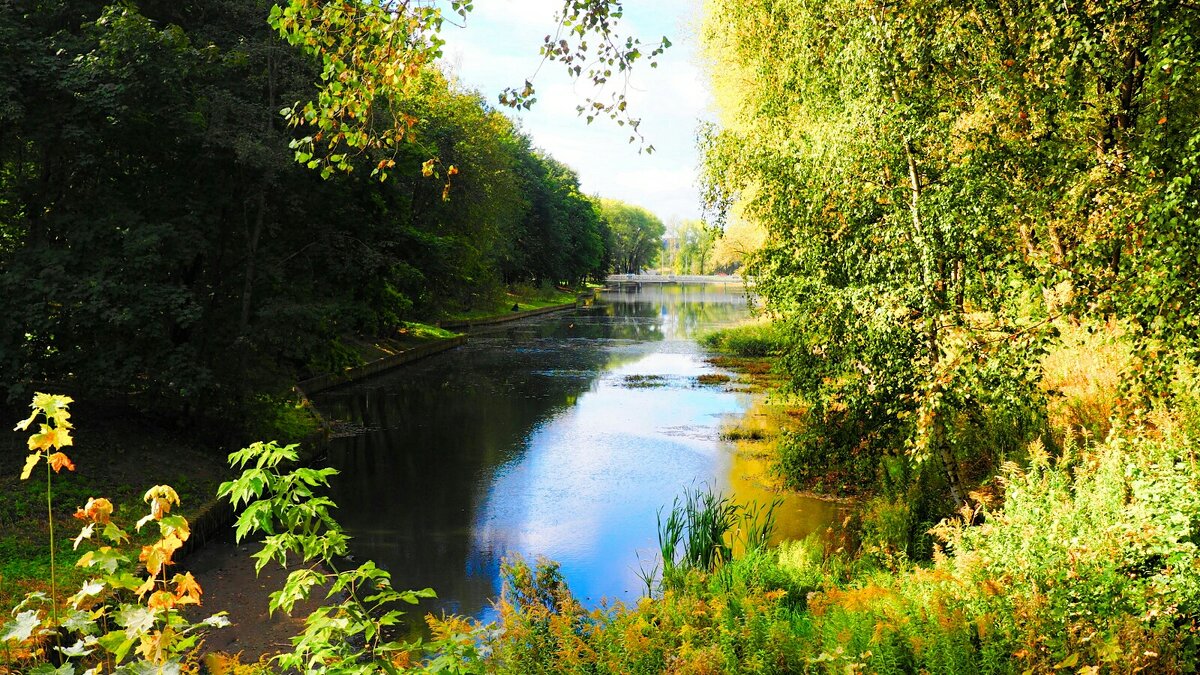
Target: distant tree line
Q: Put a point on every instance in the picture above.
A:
(159, 240)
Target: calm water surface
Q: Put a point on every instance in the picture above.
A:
(539, 438)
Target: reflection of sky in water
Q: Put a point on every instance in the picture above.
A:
(587, 490)
(531, 440)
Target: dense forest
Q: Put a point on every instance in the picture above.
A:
(159, 242)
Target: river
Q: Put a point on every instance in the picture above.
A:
(558, 436)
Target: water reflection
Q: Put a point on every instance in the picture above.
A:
(531, 439)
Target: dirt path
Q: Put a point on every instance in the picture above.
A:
(226, 572)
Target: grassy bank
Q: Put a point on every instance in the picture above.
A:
(1084, 562)
(522, 296)
(117, 455)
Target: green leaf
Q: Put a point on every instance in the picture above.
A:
(136, 620)
(22, 627)
(116, 643)
(77, 650)
(47, 669)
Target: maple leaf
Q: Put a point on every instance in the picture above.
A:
(145, 587)
(160, 498)
(30, 462)
(158, 555)
(59, 461)
(161, 600)
(85, 533)
(51, 403)
(96, 510)
(22, 627)
(50, 437)
(24, 424)
(187, 589)
(155, 558)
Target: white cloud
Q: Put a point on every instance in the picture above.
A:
(499, 49)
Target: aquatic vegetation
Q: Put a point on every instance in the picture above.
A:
(743, 433)
(644, 381)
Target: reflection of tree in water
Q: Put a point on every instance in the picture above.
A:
(436, 432)
(682, 310)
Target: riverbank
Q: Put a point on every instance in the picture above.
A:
(1081, 549)
(118, 454)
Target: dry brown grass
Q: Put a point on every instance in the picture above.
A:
(1082, 374)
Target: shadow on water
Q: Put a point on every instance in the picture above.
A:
(530, 440)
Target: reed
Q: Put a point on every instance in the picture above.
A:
(702, 530)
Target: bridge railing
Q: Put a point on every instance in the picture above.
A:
(673, 279)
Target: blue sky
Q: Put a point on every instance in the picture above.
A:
(498, 48)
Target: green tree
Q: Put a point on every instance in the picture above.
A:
(695, 242)
(635, 236)
(939, 181)
(159, 243)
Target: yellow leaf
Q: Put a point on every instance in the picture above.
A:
(154, 646)
(30, 462)
(160, 498)
(158, 555)
(96, 510)
(50, 437)
(155, 558)
(161, 600)
(187, 589)
(51, 402)
(146, 587)
(59, 461)
(24, 424)
(1068, 662)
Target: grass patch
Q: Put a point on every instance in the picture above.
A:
(749, 340)
(423, 332)
(117, 455)
(713, 379)
(523, 297)
(740, 433)
(749, 366)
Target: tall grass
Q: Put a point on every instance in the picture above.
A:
(1083, 376)
(703, 529)
(763, 338)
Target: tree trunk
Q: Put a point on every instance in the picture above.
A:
(934, 285)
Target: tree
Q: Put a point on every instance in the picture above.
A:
(159, 244)
(372, 52)
(695, 242)
(938, 182)
(635, 236)
(740, 240)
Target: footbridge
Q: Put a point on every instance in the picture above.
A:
(631, 282)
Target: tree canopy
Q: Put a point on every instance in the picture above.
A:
(939, 181)
(635, 236)
(159, 241)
